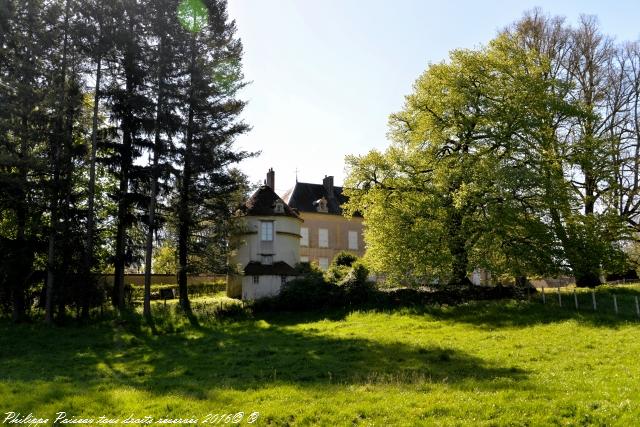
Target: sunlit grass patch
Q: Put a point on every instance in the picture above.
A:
(480, 363)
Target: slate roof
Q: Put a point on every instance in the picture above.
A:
(263, 202)
(279, 268)
(303, 195)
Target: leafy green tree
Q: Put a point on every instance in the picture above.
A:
(455, 190)
(581, 155)
(164, 260)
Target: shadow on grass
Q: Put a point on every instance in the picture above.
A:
(213, 357)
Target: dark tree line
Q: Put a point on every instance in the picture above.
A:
(117, 121)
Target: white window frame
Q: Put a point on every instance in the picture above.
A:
(323, 237)
(323, 263)
(304, 236)
(266, 231)
(256, 280)
(267, 259)
(352, 237)
(304, 259)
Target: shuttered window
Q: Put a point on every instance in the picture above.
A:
(323, 238)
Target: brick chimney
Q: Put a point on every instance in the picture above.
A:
(328, 186)
(271, 179)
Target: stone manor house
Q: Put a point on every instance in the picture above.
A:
(305, 225)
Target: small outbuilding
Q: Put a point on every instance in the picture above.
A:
(266, 245)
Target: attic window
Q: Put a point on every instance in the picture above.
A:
(279, 207)
(321, 205)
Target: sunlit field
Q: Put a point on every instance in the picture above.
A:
(484, 363)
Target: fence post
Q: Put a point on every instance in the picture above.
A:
(575, 298)
(559, 297)
(544, 300)
(637, 307)
(593, 299)
(615, 304)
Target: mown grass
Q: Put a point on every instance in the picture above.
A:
(485, 363)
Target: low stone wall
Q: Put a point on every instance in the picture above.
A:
(555, 282)
(165, 279)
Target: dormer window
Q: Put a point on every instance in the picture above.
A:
(321, 205)
(278, 207)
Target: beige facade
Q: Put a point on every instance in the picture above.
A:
(329, 234)
(283, 246)
(266, 246)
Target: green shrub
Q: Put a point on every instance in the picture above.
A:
(340, 267)
(307, 291)
(344, 259)
(355, 285)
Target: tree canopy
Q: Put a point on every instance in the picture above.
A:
(499, 160)
(117, 123)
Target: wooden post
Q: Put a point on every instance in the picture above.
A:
(544, 300)
(593, 299)
(637, 307)
(575, 298)
(615, 304)
(559, 298)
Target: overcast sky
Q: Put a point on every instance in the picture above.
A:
(326, 74)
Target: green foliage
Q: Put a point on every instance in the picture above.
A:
(308, 291)
(193, 15)
(195, 289)
(73, 154)
(454, 190)
(164, 259)
(344, 258)
(356, 286)
(393, 367)
(340, 266)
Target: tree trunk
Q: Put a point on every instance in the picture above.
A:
(154, 184)
(60, 133)
(88, 252)
(457, 249)
(184, 214)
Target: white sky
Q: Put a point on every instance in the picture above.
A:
(326, 74)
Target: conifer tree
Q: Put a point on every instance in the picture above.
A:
(210, 112)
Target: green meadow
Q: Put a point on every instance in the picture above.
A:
(480, 363)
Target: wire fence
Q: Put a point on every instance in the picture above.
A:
(618, 298)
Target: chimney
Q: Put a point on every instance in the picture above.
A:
(328, 186)
(271, 179)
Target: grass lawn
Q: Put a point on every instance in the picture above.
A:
(486, 363)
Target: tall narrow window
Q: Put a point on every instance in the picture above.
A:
(304, 233)
(353, 240)
(323, 263)
(266, 231)
(323, 238)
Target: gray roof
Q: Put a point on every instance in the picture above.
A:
(303, 195)
(263, 202)
(279, 268)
